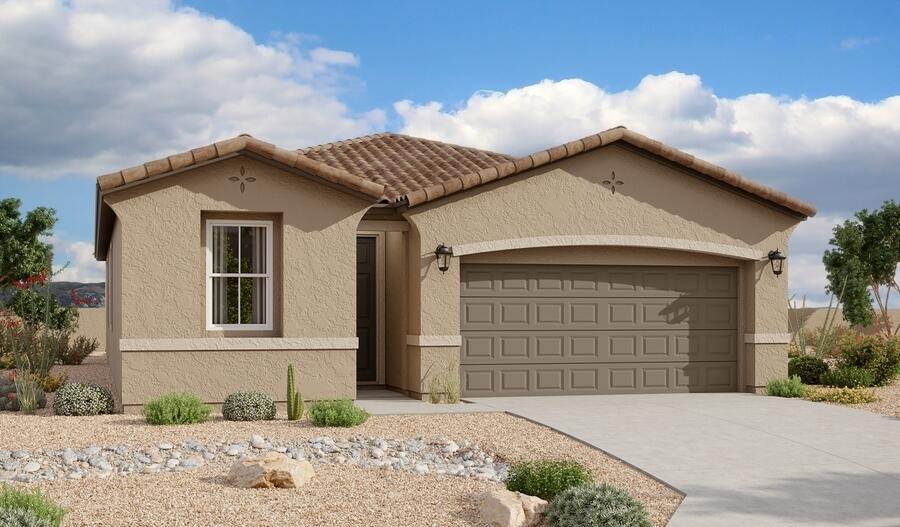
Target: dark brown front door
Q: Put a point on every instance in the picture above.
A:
(365, 308)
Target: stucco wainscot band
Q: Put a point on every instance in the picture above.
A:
(238, 344)
(434, 341)
(767, 338)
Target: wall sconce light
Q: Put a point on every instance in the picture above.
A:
(777, 260)
(443, 254)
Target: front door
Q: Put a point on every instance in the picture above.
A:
(365, 308)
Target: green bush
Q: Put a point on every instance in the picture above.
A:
(340, 412)
(808, 367)
(879, 355)
(791, 387)
(597, 506)
(546, 479)
(82, 399)
(181, 408)
(28, 508)
(73, 353)
(248, 406)
(843, 395)
(844, 376)
(9, 398)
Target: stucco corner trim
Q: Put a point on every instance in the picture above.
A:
(434, 340)
(239, 344)
(767, 338)
(653, 242)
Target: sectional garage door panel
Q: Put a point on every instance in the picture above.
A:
(550, 347)
(585, 379)
(597, 281)
(557, 329)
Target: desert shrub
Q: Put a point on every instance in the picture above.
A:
(37, 309)
(444, 387)
(179, 408)
(9, 397)
(7, 362)
(843, 376)
(546, 479)
(843, 395)
(49, 383)
(878, 355)
(790, 387)
(808, 368)
(73, 353)
(340, 412)
(27, 508)
(82, 399)
(597, 506)
(248, 406)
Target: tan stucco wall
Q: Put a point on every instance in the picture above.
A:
(163, 261)
(395, 259)
(321, 374)
(427, 364)
(159, 259)
(569, 199)
(815, 319)
(92, 324)
(114, 309)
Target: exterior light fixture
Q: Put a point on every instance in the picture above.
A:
(777, 260)
(443, 254)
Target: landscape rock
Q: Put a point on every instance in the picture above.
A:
(501, 508)
(535, 509)
(270, 470)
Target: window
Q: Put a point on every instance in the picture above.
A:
(239, 275)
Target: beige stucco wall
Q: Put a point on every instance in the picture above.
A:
(569, 199)
(162, 264)
(114, 309)
(92, 324)
(321, 374)
(814, 318)
(395, 259)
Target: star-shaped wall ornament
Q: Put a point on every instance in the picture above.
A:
(242, 179)
(612, 182)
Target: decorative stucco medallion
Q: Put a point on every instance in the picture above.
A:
(242, 179)
(612, 182)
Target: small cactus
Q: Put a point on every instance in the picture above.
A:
(294, 400)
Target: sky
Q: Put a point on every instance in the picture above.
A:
(802, 96)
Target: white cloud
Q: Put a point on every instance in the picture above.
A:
(82, 267)
(94, 86)
(806, 274)
(857, 42)
(837, 152)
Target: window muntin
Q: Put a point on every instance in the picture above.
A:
(239, 275)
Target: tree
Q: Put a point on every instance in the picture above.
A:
(22, 253)
(864, 263)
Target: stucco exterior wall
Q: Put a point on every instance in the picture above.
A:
(569, 199)
(92, 324)
(321, 374)
(160, 259)
(114, 309)
(163, 262)
(396, 363)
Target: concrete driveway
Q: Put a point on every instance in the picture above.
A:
(742, 459)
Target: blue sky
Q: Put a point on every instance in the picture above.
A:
(799, 95)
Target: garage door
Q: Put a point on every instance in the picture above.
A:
(567, 329)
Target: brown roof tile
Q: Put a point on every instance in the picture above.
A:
(395, 167)
(404, 164)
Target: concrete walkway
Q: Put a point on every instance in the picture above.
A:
(742, 459)
(378, 401)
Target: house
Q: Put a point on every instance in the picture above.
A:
(611, 264)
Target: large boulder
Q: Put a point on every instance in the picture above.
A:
(270, 470)
(505, 508)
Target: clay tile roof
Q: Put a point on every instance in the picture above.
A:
(516, 166)
(404, 164)
(242, 143)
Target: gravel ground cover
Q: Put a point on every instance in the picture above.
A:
(508, 439)
(888, 402)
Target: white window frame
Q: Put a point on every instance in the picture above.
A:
(268, 275)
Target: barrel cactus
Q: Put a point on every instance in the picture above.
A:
(8, 399)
